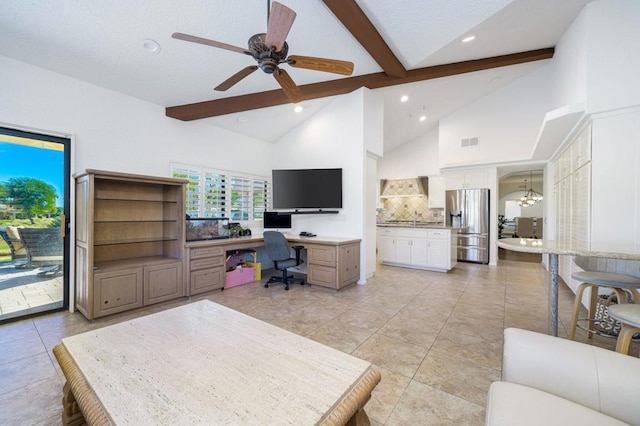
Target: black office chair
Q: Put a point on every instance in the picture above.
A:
(279, 252)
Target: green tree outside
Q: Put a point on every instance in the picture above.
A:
(33, 196)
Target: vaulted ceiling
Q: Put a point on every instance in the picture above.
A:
(411, 47)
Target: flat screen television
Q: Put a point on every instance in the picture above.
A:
(307, 188)
(273, 220)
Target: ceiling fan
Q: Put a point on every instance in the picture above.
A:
(270, 50)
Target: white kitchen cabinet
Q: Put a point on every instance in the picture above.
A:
(467, 180)
(436, 192)
(421, 248)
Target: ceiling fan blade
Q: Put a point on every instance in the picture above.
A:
(280, 21)
(228, 83)
(321, 64)
(292, 91)
(200, 40)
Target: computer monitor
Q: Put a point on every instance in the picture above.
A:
(275, 220)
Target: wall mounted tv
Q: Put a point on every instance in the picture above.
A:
(307, 189)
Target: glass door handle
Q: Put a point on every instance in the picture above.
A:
(63, 225)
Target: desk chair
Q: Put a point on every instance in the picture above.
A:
(279, 252)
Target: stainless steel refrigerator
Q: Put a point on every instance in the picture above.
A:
(469, 209)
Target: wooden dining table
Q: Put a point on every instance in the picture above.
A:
(556, 248)
(205, 364)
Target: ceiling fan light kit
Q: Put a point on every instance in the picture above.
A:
(270, 50)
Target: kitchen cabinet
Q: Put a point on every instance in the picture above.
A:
(421, 248)
(436, 194)
(467, 180)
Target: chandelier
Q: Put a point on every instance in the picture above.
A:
(530, 197)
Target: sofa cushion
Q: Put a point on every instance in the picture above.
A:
(511, 404)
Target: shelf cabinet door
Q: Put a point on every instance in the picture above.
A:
(437, 254)
(206, 280)
(386, 248)
(349, 264)
(163, 282)
(403, 250)
(419, 252)
(117, 291)
(324, 276)
(321, 255)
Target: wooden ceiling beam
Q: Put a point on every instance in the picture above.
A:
(358, 24)
(323, 89)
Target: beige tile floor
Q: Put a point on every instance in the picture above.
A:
(436, 338)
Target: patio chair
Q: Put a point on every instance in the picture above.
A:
(44, 248)
(16, 245)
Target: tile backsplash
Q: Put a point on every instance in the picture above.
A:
(408, 208)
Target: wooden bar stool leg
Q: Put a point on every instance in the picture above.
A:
(593, 301)
(577, 307)
(624, 338)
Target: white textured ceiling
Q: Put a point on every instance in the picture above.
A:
(101, 42)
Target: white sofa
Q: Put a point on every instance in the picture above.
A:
(553, 381)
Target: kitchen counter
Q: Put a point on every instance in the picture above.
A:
(417, 225)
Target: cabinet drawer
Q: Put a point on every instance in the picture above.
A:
(411, 233)
(382, 231)
(438, 234)
(209, 262)
(163, 282)
(206, 280)
(321, 275)
(321, 255)
(198, 253)
(117, 291)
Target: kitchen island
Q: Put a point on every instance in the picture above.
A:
(418, 245)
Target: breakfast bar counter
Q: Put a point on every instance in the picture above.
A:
(555, 248)
(203, 363)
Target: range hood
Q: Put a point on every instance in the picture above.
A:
(413, 187)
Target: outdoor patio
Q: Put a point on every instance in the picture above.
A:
(23, 292)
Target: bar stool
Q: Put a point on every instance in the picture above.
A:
(628, 315)
(592, 278)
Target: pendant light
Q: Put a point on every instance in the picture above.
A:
(530, 197)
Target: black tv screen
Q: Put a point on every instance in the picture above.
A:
(307, 189)
(273, 220)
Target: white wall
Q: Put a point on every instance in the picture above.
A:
(117, 132)
(418, 157)
(613, 54)
(569, 66)
(506, 123)
(332, 138)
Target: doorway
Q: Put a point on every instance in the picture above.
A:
(34, 207)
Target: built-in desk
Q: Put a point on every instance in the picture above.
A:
(331, 262)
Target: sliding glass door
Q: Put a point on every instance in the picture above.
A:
(34, 206)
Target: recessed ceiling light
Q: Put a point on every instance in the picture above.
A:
(298, 108)
(242, 118)
(404, 98)
(423, 117)
(150, 46)
(468, 39)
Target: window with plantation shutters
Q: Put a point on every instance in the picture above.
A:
(214, 195)
(220, 193)
(240, 198)
(193, 190)
(261, 197)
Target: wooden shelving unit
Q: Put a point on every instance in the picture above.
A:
(129, 241)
